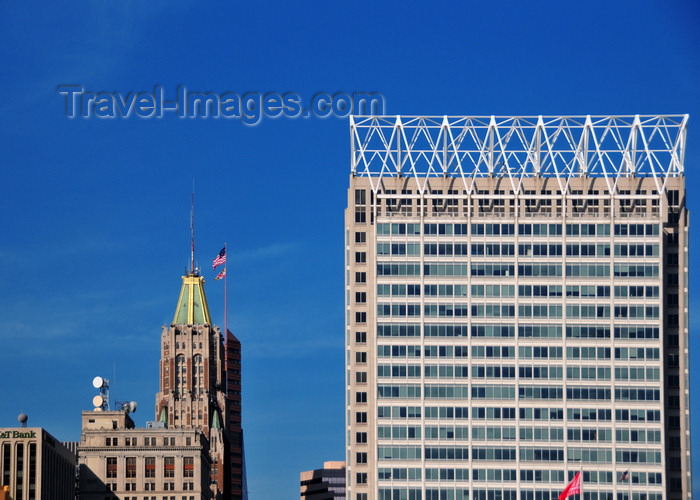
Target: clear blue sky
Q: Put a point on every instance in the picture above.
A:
(94, 214)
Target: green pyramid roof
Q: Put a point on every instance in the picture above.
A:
(192, 308)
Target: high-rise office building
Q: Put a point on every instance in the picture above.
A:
(200, 386)
(239, 487)
(516, 308)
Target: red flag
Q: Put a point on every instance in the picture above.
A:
(221, 274)
(573, 488)
(220, 259)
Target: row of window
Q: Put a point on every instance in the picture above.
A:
(508, 352)
(573, 311)
(417, 494)
(524, 249)
(149, 467)
(524, 372)
(526, 475)
(439, 391)
(498, 494)
(524, 331)
(153, 497)
(511, 433)
(509, 413)
(528, 229)
(147, 441)
(524, 270)
(414, 290)
(525, 453)
(491, 351)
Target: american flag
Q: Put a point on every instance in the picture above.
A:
(625, 476)
(221, 274)
(220, 259)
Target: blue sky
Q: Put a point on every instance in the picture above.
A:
(94, 213)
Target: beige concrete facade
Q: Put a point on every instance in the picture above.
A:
(119, 461)
(500, 339)
(35, 465)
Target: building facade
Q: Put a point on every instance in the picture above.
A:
(35, 465)
(118, 461)
(516, 308)
(327, 483)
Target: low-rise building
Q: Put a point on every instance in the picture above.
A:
(327, 483)
(120, 461)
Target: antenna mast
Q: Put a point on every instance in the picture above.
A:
(192, 231)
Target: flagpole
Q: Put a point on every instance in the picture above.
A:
(225, 300)
(580, 479)
(574, 487)
(629, 484)
(226, 321)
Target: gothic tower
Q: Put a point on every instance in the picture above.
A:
(193, 379)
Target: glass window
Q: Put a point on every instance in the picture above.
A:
(168, 466)
(149, 467)
(188, 467)
(111, 467)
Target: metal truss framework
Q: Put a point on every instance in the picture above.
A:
(516, 147)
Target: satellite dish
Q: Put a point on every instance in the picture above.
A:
(98, 382)
(127, 406)
(97, 401)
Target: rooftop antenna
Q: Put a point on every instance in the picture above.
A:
(101, 401)
(192, 270)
